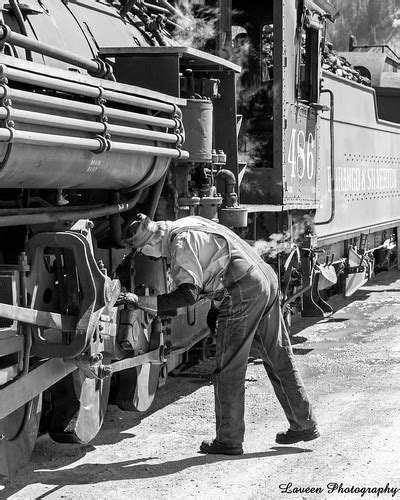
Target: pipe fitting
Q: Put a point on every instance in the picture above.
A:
(176, 112)
(6, 32)
(179, 139)
(105, 145)
(5, 87)
(106, 128)
(178, 124)
(225, 182)
(102, 108)
(104, 371)
(10, 130)
(7, 117)
(104, 70)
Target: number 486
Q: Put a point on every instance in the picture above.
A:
(301, 154)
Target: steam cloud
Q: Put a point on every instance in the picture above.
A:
(277, 243)
(197, 23)
(282, 242)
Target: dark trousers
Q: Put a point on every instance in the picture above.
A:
(250, 311)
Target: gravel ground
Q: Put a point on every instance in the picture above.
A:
(351, 366)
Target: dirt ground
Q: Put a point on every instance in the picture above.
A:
(351, 366)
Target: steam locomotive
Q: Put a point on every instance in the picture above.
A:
(109, 110)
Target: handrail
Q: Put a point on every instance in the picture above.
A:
(95, 67)
(366, 46)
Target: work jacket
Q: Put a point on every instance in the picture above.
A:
(242, 256)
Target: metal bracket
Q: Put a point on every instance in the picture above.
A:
(92, 366)
(99, 292)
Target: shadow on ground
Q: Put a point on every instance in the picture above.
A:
(116, 422)
(139, 468)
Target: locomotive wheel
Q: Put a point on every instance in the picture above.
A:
(136, 387)
(18, 433)
(78, 408)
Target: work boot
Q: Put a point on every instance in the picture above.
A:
(290, 437)
(215, 447)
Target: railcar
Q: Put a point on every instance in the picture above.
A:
(321, 140)
(109, 110)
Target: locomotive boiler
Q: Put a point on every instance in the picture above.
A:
(108, 110)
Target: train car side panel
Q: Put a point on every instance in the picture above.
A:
(366, 162)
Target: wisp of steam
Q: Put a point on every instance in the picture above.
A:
(282, 242)
(197, 23)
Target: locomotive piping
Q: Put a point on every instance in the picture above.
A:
(156, 193)
(85, 108)
(92, 91)
(95, 67)
(52, 216)
(126, 8)
(95, 145)
(115, 225)
(21, 23)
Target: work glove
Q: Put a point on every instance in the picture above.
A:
(131, 300)
(127, 298)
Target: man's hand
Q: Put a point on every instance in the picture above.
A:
(127, 298)
(133, 301)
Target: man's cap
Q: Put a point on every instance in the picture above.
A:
(138, 233)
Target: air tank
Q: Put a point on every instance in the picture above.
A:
(198, 121)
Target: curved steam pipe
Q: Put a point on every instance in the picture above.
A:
(227, 177)
(115, 221)
(225, 182)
